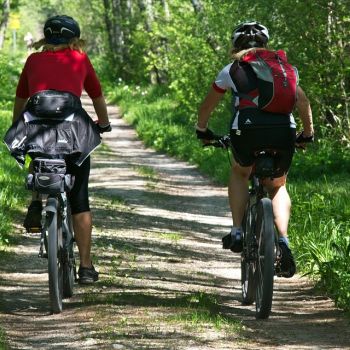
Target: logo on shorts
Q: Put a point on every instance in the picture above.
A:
(248, 121)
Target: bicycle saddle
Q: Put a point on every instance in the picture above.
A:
(265, 164)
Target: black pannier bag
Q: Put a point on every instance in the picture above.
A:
(50, 176)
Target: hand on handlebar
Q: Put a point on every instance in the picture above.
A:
(302, 140)
(104, 127)
(206, 136)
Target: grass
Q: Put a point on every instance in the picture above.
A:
(3, 345)
(12, 192)
(171, 236)
(199, 309)
(192, 312)
(147, 172)
(150, 174)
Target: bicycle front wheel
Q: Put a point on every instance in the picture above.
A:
(264, 274)
(55, 267)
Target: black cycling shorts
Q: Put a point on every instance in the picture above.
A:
(79, 195)
(246, 142)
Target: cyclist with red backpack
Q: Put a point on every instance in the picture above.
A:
(265, 92)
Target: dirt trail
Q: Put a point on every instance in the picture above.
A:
(165, 281)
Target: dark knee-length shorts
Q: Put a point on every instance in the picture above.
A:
(79, 195)
(245, 144)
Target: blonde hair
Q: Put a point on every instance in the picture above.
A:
(239, 54)
(73, 44)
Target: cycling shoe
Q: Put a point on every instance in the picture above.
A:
(233, 241)
(32, 221)
(286, 266)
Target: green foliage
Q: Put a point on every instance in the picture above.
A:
(3, 345)
(11, 177)
(320, 226)
(12, 191)
(9, 73)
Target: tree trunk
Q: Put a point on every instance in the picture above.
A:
(146, 6)
(199, 10)
(113, 15)
(166, 9)
(127, 14)
(5, 12)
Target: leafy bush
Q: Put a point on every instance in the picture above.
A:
(12, 191)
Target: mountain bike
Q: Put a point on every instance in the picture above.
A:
(261, 255)
(50, 181)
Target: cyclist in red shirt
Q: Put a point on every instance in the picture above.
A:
(254, 130)
(62, 66)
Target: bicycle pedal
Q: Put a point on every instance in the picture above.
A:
(33, 229)
(42, 255)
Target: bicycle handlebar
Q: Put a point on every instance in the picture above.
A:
(220, 142)
(225, 142)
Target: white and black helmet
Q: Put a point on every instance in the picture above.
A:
(250, 34)
(61, 29)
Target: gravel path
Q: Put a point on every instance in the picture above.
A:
(165, 281)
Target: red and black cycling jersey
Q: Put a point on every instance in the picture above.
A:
(63, 70)
(242, 79)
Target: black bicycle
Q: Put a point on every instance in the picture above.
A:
(50, 180)
(260, 258)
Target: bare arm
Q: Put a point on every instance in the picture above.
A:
(206, 108)
(18, 107)
(305, 113)
(101, 110)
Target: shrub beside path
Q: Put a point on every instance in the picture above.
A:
(165, 283)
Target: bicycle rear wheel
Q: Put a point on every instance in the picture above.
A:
(69, 268)
(247, 258)
(55, 266)
(264, 274)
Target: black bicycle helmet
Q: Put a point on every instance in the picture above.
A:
(249, 34)
(61, 29)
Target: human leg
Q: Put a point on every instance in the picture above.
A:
(82, 219)
(238, 192)
(82, 225)
(238, 196)
(281, 205)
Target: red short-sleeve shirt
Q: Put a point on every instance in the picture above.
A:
(63, 70)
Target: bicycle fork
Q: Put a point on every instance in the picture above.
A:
(49, 207)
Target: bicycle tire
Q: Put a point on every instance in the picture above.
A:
(264, 274)
(55, 268)
(69, 267)
(247, 261)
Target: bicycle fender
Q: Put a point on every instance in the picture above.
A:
(51, 205)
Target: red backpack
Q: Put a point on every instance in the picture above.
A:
(277, 82)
